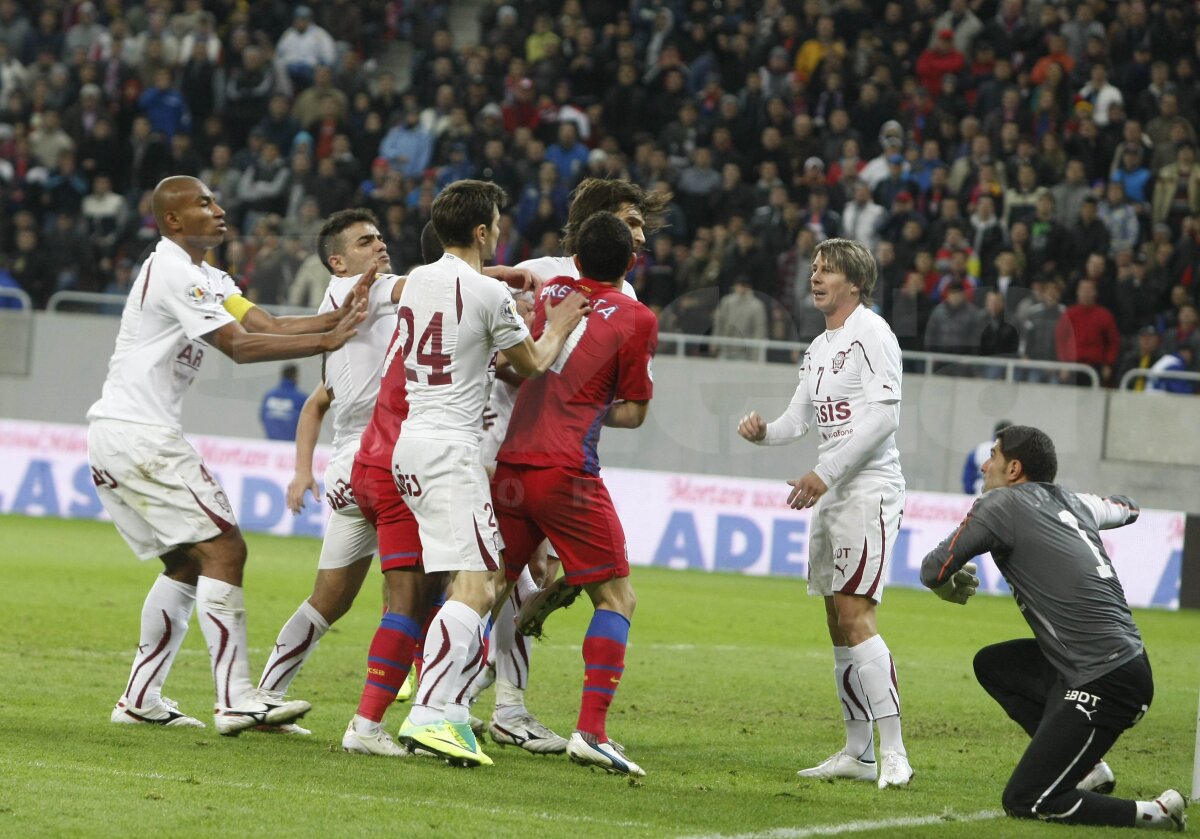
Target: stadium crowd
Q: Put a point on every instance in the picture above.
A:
(1024, 171)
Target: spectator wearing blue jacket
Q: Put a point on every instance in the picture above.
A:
(972, 477)
(408, 146)
(165, 106)
(280, 411)
(568, 154)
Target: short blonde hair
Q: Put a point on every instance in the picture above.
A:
(852, 258)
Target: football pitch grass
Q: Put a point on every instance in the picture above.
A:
(727, 692)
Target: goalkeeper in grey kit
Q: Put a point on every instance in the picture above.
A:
(1084, 678)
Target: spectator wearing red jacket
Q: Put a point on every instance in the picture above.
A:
(939, 60)
(1087, 333)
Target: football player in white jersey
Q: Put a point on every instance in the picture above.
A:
(850, 389)
(452, 322)
(349, 243)
(510, 651)
(154, 485)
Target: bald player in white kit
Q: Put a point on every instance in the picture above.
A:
(154, 485)
(850, 390)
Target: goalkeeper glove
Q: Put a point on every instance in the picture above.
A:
(961, 586)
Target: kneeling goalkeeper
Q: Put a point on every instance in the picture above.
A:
(1084, 678)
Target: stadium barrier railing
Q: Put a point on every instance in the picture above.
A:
(1132, 376)
(991, 367)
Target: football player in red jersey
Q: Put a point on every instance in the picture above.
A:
(547, 481)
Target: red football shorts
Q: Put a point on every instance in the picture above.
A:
(381, 505)
(571, 509)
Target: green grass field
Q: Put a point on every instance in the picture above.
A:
(727, 692)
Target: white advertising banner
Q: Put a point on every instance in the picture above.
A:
(698, 522)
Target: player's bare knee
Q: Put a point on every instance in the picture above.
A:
(180, 567)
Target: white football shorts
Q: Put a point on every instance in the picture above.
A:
(348, 536)
(446, 487)
(155, 487)
(854, 531)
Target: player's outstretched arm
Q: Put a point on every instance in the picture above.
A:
(1110, 512)
(247, 347)
(947, 569)
(259, 320)
(307, 432)
(531, 359)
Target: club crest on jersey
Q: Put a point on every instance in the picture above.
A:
(197, 294)
(839, 361)
(508, 312)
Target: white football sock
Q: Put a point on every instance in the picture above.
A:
(296, 642)
(165, 615)
(860, 736)
(452, 660)
(512, 651)
(877, 673)
(222, 613)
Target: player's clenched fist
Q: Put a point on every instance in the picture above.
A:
(753, 427)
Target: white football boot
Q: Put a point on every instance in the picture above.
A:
(841, 766)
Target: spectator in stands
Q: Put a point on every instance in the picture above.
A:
(105, 215)
(1040, 328)
(165, 106)
(1047, 238)
(248, 90)
(1087, 334)
(862, 218)
(1184, 333)
(1169, 128)
(303, 47)
(1177, 189)
(1070, 192)
(31, 269)
(1120, 217)
(263, 188)
(280, 408)
(1180, 360)
(1136, 296)
(1143, 356)
(747, 259)
(1089, 235)
(999, 337)
(954, 327)
(1101, 94)
(408, 147)
(740, 314)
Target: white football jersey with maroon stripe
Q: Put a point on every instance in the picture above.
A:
(844, 370)
(352, 373)
(452, 320)
(172, 305)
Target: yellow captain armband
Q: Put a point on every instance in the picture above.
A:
(237, 306)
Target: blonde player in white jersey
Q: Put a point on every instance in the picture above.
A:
(850, 389)
(154, 485)
(452, 322)
(349, 243)
(509, 650)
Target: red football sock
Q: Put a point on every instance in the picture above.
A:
(388, 662)
(603, 664)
